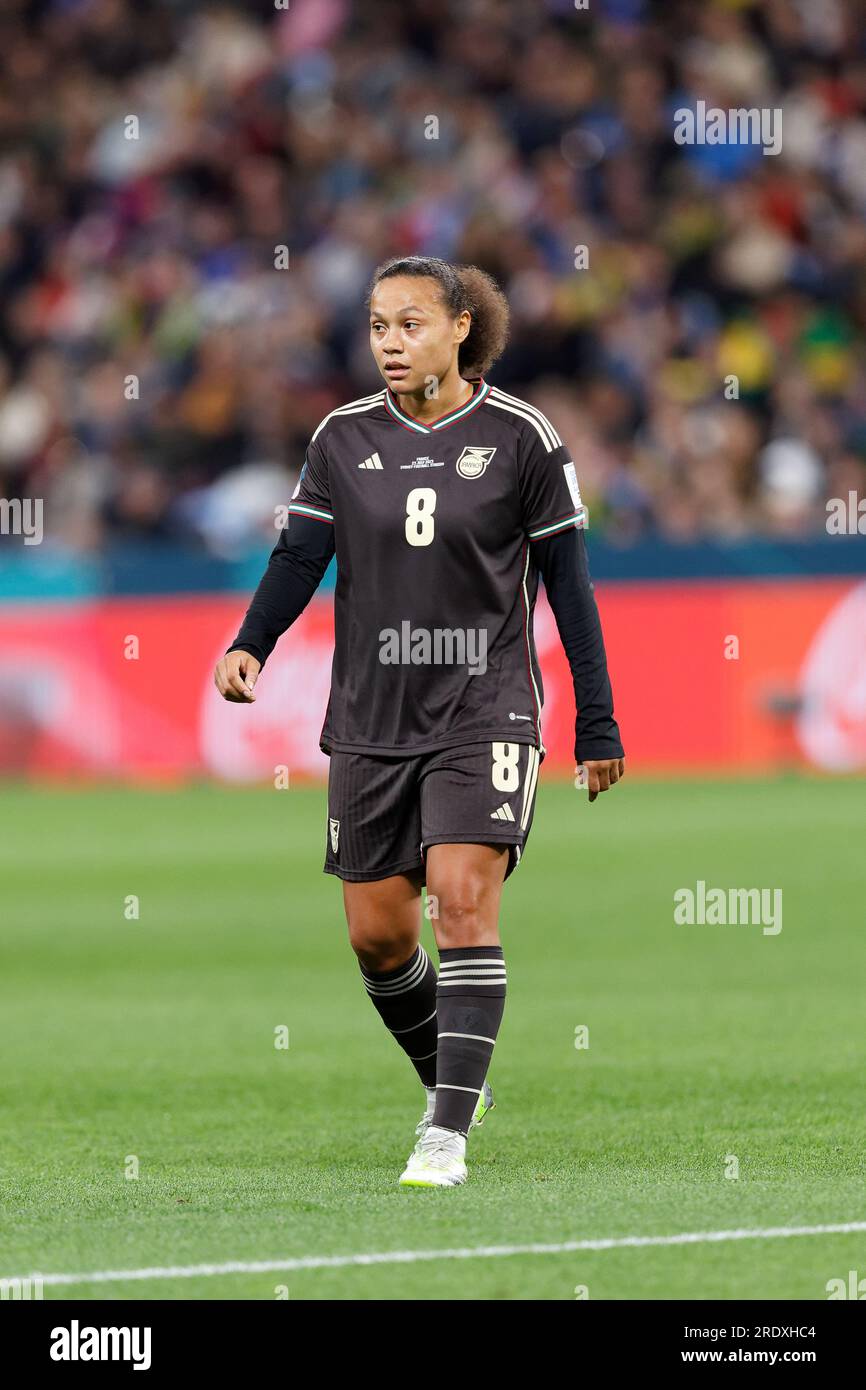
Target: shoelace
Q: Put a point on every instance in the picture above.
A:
(437, 1151)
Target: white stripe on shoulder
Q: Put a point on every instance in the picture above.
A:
(532, 409)
(352, 408)
(549, 437)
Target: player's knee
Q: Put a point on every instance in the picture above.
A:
(378, 949)
(463, 917)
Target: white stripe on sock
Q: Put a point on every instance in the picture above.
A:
(410, 977)
(470, 960)
(478, 1037)
(395, 1031)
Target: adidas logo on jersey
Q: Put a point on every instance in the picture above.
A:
(503, 813)
(372, 462)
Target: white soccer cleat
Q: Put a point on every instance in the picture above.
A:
(438, 1160)
(426, 1119)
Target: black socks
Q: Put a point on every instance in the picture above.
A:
(406, 1001)
(470, 1001)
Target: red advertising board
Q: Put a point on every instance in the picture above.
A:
(707, 676)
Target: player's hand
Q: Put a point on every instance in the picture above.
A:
(602, 774)
(235, 677)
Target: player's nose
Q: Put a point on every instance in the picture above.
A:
(392, 342)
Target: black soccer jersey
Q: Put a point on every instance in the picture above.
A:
(433, 526)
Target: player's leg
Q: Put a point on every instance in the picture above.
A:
(477, 805)
(384, 919)
(464, 885)
(373, 846)
(476, 809)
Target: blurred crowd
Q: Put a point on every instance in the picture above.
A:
(193, 198)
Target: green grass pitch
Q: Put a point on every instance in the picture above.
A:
(153, 1039)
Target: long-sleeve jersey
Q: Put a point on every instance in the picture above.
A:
(441, 530)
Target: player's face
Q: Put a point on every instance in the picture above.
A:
(411, 334)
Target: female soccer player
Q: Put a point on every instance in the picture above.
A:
(443, 498)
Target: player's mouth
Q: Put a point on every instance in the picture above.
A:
(395, 371)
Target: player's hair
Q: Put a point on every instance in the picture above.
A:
(460, 287)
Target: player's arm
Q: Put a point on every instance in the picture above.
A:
(295, 569)
(553, 520)
(564, 567)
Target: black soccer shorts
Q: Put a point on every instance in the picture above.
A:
(384, 812)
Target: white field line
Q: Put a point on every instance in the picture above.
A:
(479, 1252)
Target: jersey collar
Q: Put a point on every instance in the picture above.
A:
(432, 427)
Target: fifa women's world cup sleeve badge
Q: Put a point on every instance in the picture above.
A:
(301, 477)
(473, 461)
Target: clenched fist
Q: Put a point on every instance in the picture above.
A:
(235, 677)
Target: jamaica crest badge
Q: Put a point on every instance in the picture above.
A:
(473, 461)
